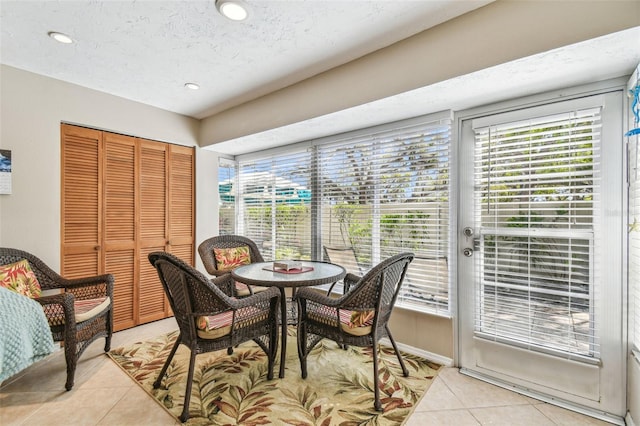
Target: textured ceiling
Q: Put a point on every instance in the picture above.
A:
(611, 56)
(147, 50)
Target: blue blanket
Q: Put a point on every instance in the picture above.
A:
(25, 336)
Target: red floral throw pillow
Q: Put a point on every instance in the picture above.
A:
(20, 278)
(230, 258)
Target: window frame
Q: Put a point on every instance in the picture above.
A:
(442, 119)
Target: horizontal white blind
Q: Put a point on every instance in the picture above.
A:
(386, 192)
(274, 204)
(227, 196)
(536, 184)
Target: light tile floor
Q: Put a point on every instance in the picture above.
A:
(104, 395)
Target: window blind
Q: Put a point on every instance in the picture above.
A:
(227, 196)
(275, 204)
(386, 191)
(536, 184)
(378, 191)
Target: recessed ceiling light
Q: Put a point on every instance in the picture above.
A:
(192, 86)
(59, 37)
(236, 10)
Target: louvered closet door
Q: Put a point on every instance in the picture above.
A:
(81, 202)
(181, 200)
(119, 225)
(152, 303)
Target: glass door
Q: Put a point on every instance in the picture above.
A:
(541, 251)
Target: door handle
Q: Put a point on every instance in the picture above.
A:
(468, 232)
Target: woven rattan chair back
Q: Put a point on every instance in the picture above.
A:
(185, 290)
(205, 249)
(76, 336)
(192, 296)
(377, 291)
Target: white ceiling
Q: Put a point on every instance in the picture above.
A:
(146, 51)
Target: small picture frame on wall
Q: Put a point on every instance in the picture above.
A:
(5, 171)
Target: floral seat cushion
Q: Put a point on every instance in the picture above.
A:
(215, 326)
(84, 309)
(357, 323)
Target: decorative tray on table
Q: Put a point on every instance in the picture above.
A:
(288, 267)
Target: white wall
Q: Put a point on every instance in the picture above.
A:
(500, 32)
(31, 110)
(206, 199)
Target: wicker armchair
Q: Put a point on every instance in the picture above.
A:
(80, 314)
(206, 251)
(358, 318)
(210, 320)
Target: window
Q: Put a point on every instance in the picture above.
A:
(633, 140)
(379, 192)
(227, 193)
(275, 204)
(386, 191)
(537, 182)
(634, 233)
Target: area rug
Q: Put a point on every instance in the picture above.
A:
(234, 390)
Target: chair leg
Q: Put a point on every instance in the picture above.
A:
(271, 358)
(158, 381)
(107, 340)
(376, 391)
(273, 348)
(273, 337)
(187, 396)
(71, 359)
(302, 356)
(405, 372)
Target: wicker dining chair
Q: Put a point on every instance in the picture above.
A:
(81, 313)
(358, 318)
(212, 247)
(210, 319)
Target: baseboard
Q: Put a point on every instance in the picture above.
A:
(629, 420)
(439, 359)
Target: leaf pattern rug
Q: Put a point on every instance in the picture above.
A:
(234, 390)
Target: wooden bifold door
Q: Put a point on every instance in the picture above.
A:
(122, 198)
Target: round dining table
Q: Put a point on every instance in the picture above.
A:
(311, 273)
